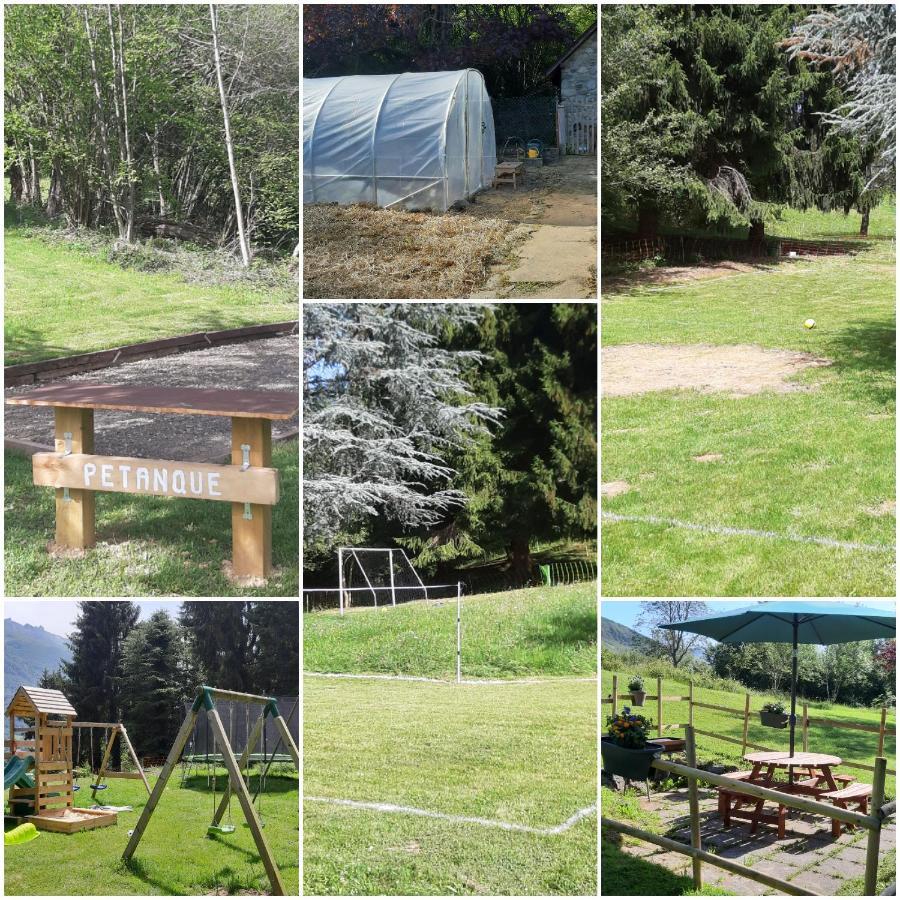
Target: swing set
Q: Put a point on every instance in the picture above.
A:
(235, 783)
(113, 731)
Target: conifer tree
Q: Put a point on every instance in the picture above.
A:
(95, 671)
(153, 683)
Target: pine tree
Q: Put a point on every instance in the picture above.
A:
(385, 400)
(153, 689)
(706, 119)
(95, 671)
(276, 653)
(221, 642)
(535, 478)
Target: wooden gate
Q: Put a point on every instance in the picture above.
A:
(577, 126)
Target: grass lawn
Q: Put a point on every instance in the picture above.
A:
(849, 745)
(175, 855)
(818, 462)
(61, 300)
(524, 754)
(545, 631)
(146, 546)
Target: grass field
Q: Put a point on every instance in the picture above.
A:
(523, 754)
(546, 631)
(146, 546)
(849, 745)
(814, 463)
(175, 855)
(64, 299)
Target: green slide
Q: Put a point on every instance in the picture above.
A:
(15, 772)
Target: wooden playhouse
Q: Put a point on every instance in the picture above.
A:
(44, 795)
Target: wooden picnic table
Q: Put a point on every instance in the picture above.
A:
(818, 780)
(251, 413)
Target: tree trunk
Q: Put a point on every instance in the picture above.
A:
(757, 232)
(154, 144)
(54, 203)
(104, 129)
(35, 177)
(864, 223)
(229, 146)
(16, 184)
(518, 553)
(648, 222)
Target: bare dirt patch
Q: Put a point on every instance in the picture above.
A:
(360, 252)
(707, 457)
(885, 508)
(738, 370)
(652, 275)
(614, 488)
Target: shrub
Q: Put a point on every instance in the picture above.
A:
(636, 683)
(775, 707)
(628, 730)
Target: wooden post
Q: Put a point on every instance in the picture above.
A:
(659, 703)
(691, 703)
(187, 726)
(694, 801)
(251, 538)
(874, 842)
(111, 736)
(806, 728)
(615, 693)
(288, 739)
(74, 507)
(746, 723)
(248, 748)
(881, 731)
(137, 762)
(243, 795)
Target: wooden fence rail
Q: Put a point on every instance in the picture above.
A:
(882, 729)
(872, 823)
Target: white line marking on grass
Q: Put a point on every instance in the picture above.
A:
(473, 681)
(467, 820)
(749, 532)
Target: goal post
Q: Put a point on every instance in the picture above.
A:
(378, 568)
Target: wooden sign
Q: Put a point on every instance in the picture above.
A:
(159, 477)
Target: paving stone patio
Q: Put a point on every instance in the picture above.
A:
(808, 856)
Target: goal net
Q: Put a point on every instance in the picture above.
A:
(377, 576)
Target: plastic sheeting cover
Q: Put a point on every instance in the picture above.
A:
(422, 140)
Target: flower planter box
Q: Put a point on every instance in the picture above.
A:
(773, 719)
(637, 698)
(628, 763)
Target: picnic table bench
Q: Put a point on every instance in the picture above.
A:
(509, 171)
(249, 483)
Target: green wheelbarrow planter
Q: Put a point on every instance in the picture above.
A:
(629, 763)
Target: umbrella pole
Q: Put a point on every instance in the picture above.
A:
(793, 720)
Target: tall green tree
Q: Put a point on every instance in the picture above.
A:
(276, 660)
(534, 478)
(94, 674)
(153, 683)
(706, 119)
(221, 642)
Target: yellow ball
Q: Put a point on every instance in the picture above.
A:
(809, 323)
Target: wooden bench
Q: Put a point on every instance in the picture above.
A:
(855, 793)
(754, 816)
(249, 483)
(509, 171)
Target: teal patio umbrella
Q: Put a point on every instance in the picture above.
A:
(790, 622)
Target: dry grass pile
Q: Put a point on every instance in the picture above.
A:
(361, 252)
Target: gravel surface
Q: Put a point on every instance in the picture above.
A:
(270, 364)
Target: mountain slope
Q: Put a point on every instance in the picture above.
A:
(615, 636)
(28, 651)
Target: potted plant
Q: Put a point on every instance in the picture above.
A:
(636, 686)
(625, 748)
(773, 715)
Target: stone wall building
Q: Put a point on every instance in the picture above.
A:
(575, 76)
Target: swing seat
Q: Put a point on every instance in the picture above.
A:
(76, 787)
(99, 787)
(220, 829)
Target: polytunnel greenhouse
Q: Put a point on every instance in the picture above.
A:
(422, 140)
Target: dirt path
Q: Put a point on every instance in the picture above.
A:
(557, 207)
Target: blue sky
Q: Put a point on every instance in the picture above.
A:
(626, 611)
(58, 616)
